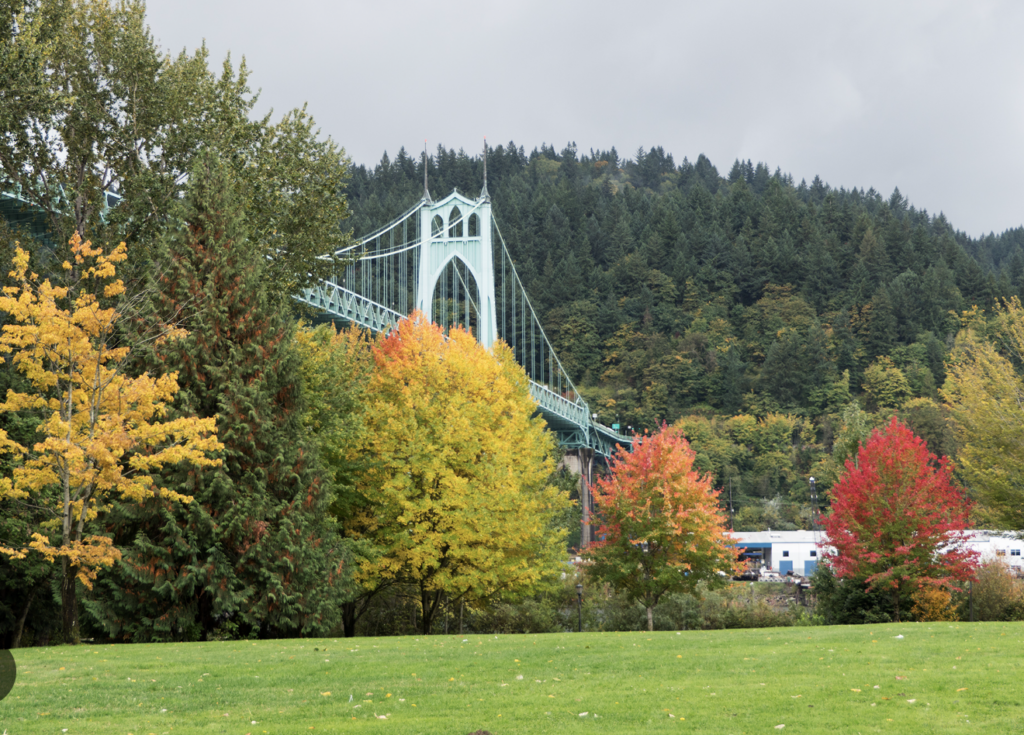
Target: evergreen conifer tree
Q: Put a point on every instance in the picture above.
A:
(252, 554)
(881, 326)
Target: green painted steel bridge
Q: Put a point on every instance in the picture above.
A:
(449, 260)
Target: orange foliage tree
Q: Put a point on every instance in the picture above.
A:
(661, 529)
(102, 433)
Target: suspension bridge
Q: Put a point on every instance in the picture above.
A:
(449, 260)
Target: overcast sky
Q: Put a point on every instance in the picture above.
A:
(926, 95)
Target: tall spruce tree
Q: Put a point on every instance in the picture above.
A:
(252, 555)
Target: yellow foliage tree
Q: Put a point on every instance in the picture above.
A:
(458, 470)
(984, 389)
(101, 430)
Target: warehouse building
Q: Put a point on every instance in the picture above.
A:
(798, 552)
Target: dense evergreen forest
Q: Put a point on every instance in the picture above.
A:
(778, 321)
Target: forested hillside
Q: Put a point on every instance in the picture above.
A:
(756, 310)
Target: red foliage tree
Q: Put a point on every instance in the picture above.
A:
(898, 522)
(661, 529)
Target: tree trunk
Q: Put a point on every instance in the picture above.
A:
(348, 619)
(69, 603)
(20, 627)
(650, 618)
(351, 612)
(429, 608)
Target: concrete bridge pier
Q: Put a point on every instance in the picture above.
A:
(581, 463)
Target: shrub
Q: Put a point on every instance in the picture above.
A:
(934, 604)
(849, 601)
(998, 595)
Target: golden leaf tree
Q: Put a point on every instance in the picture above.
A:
(457, 472)
(101, 430)
(984, 390)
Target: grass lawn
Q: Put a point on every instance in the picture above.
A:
(939, 678)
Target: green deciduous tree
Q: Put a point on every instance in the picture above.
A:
(998, 593)
(661, 529)
(886, 384)
(90, 104)
(336, 368)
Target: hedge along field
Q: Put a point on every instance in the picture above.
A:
(939, 677)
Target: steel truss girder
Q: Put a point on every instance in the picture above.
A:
(340, 302)
(590, 438)
(576, 411)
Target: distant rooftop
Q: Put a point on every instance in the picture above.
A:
(791, 537)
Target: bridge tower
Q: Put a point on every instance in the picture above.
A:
(457, 264)
(448, 260)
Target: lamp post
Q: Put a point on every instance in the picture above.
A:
(814, 505)
(579, 605)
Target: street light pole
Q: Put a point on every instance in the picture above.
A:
(579, 605)
(814, 505)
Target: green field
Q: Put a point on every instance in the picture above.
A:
(939, 678)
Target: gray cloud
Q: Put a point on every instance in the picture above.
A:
(925, 95)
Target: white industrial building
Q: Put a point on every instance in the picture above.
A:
(797, 552)
(785, 552)
(1001, 546)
